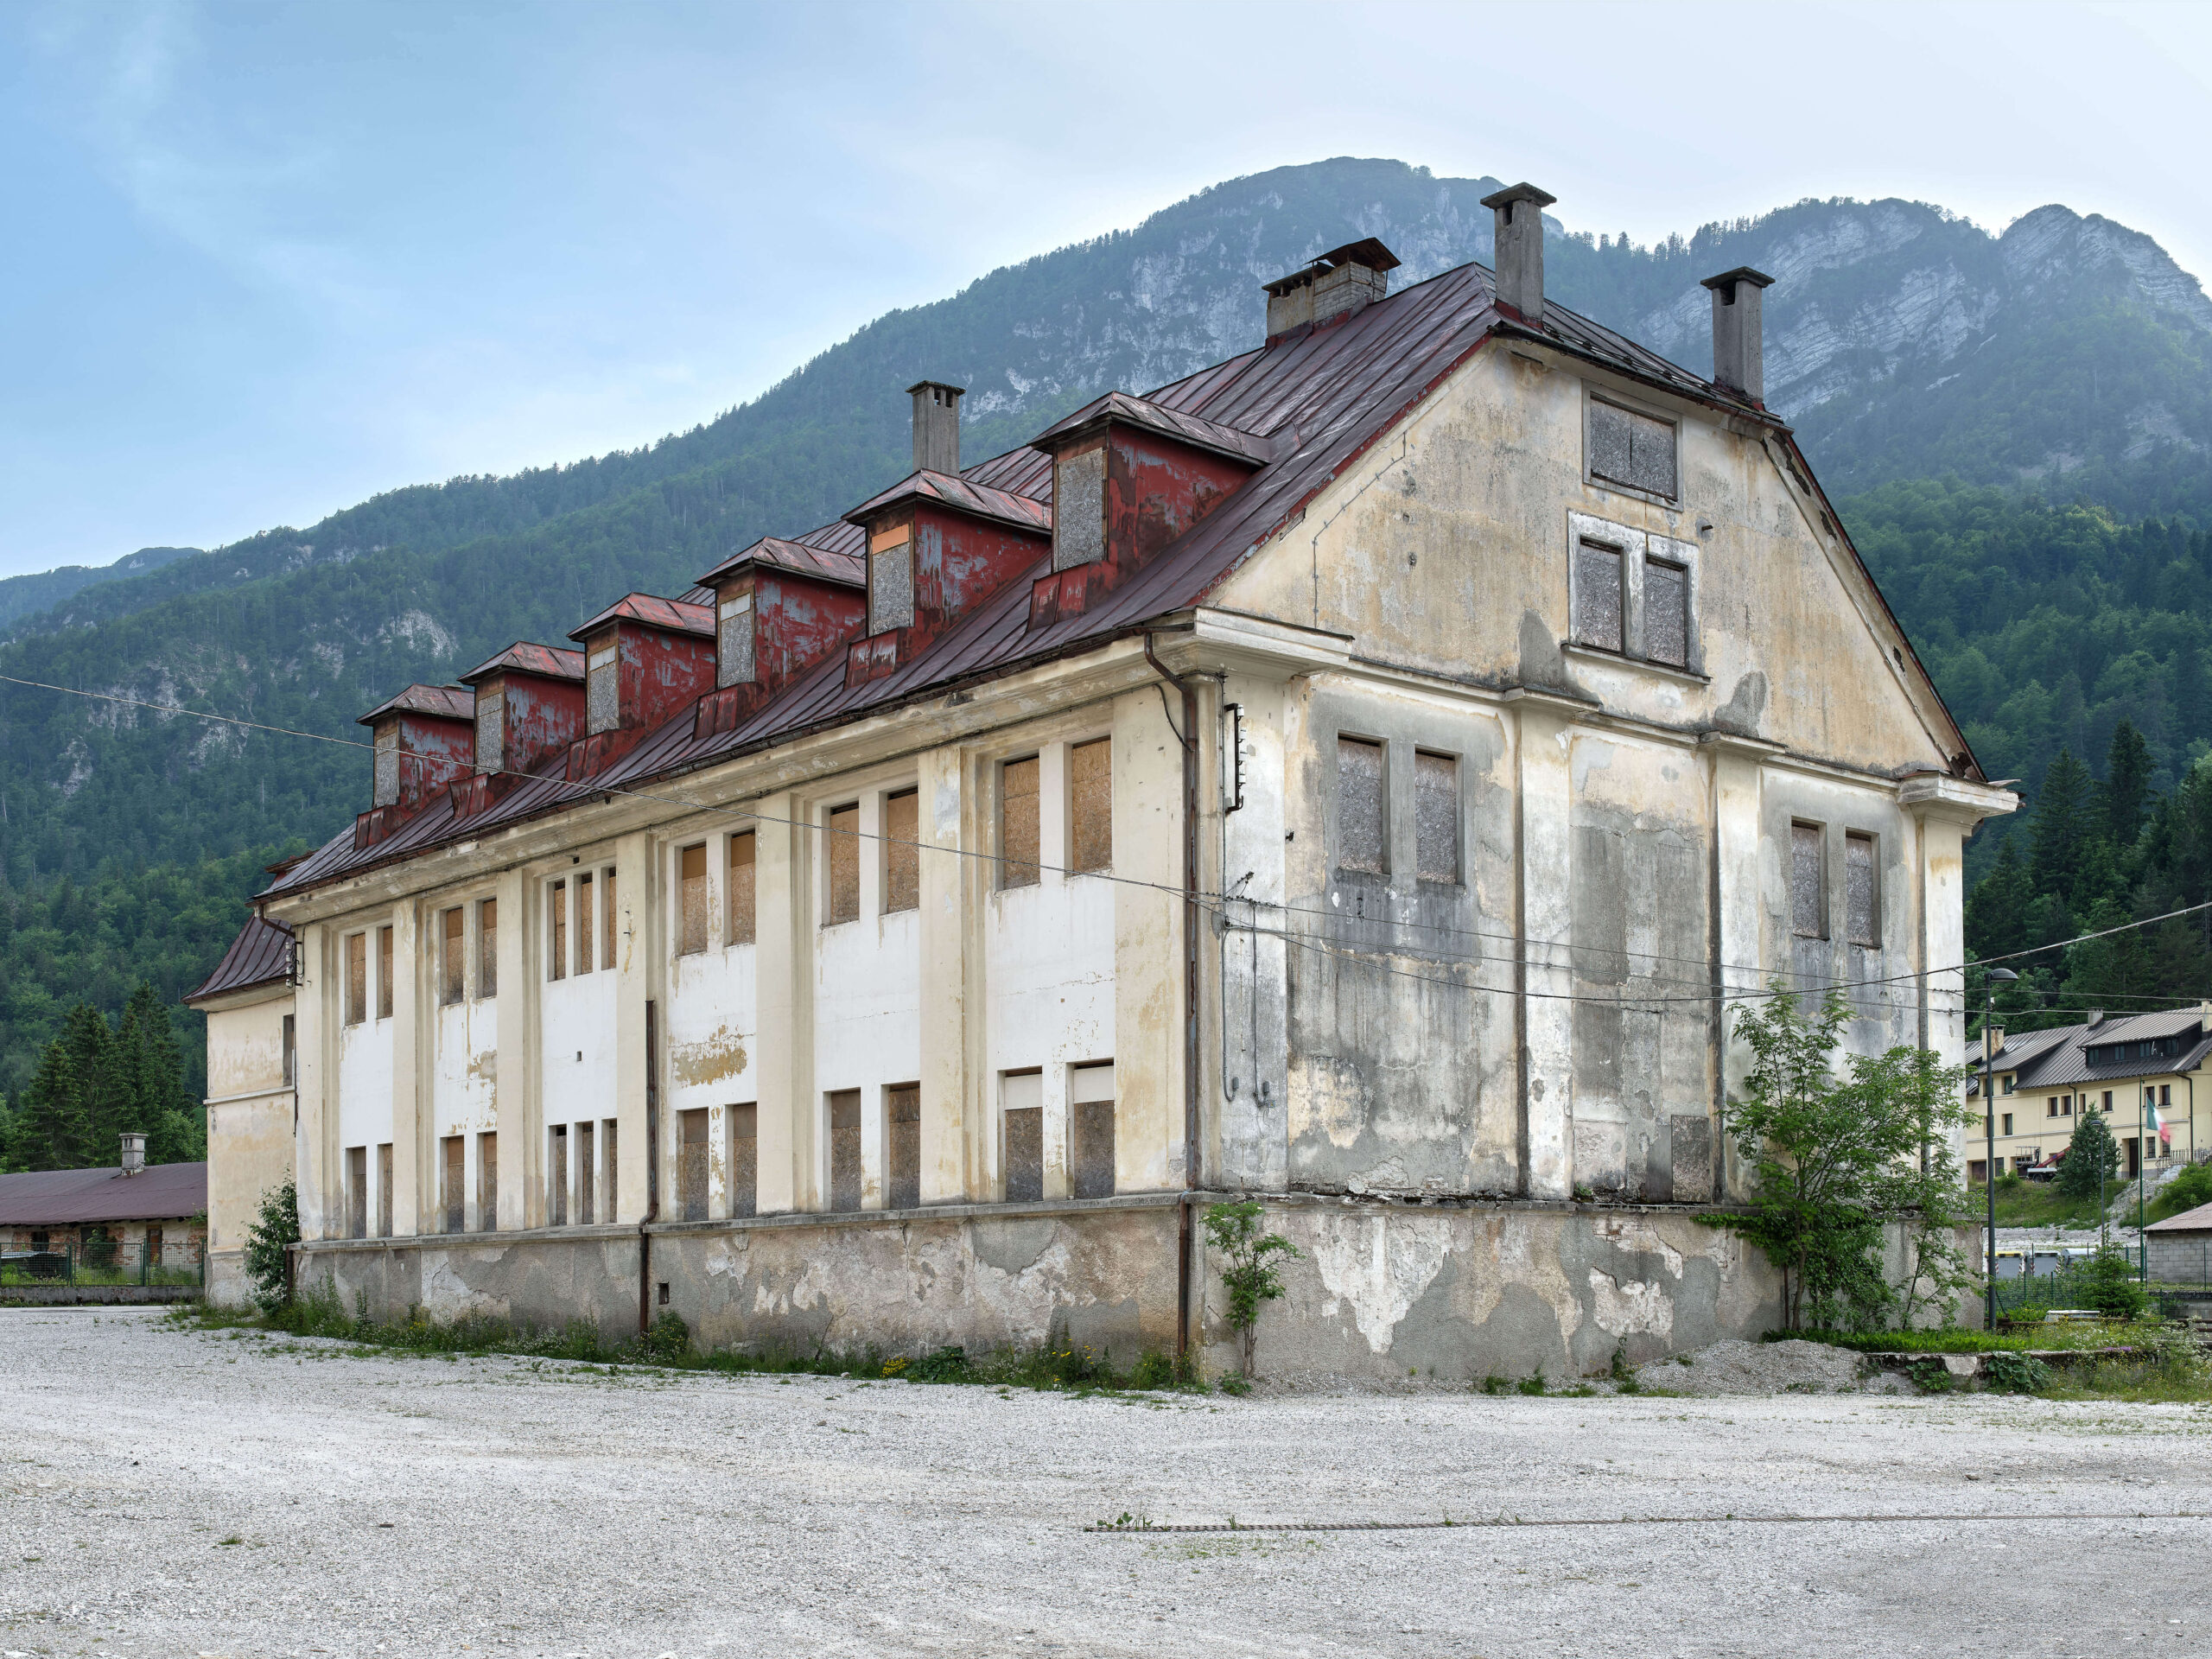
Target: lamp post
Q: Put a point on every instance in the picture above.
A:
(1989, 1137)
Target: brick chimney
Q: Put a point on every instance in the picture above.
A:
(1341, 282)
(936, 426)
(1738, 343)
(1518, 258)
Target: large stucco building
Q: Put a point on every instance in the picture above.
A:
(1355, 774)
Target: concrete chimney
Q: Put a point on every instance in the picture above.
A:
(1738, 346)
(936, 426)
(1519, 258)
(134, 1153)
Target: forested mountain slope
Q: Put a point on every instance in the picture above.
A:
(2070, 353)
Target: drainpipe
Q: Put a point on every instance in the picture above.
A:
(1189, 739)
(652, 1168)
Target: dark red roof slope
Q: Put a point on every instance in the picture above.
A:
(261, 954)
(1305, 408)
(527, 657)
(678, 615)
(67, 1198)
(848, 569)
(446, 702)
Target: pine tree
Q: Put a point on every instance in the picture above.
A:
(53, 1124)
(160, 1106)
(2091, 1156)
(2125, 795)
(1996, 913)
(2062, 823)
(104, 1087)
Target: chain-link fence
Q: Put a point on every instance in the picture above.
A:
(96, 1258)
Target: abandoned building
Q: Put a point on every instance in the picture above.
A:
(1360, 774)
(130, 1217)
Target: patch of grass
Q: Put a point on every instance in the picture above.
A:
(2040, 1204)
(2082, 1334)
(668, 1345)
(1533, 1383)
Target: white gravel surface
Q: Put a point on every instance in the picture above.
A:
(170, 1492)
(1768, 1368)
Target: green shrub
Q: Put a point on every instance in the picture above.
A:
(669, 1339)
(1495, 1384)
(1930, 1374)
(1234, 1383)
(1533, 1383)
(2110, 1286)
(273, 1229)
(2016, 1373)
(2186, 1191)
(945, 1365)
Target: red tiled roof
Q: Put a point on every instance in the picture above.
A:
(524, 657)
(678, 615)
(961, 495)
(848, 569)
(51, 1197)
(1315, 400)
(446, 702)
(260, 954)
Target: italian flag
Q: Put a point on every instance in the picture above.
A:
(2152, 1123)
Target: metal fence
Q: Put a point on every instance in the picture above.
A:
(106, 1261)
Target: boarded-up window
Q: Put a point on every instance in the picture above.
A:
(357, 1191)
(1597, 596)
(1808, 910)
(844, 855)
(1360, 844)
(453, 1173)
(383, 973)
(586, 1181)
(742, 916)
(1090, 1131)
(733, 647)
(383, 1190)
(1079, 509)
(902, 853)
(1018, 826)
(291, 1049)
(745, 1160)
(845, 1149)
(488, 948)
(691, 886)
(557, 1178)
(1023, 1095)
(357, 978)
(556, 930)
(491, 726)
(487, 1182)
(890, 580)
(1860, 911)
(607, 931)
(584, 920)
(452, 953)
(1090, 805)
(691, 1163)
(610, 1176)
(903, 1107)
(1436, 816)
(603, 687)
(1634, 449)
(387, 763)
(1665, 613)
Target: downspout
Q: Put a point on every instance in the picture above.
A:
(652, 1168)
(1188, 737)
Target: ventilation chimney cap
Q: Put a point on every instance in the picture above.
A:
(134, 1153)
(1517, 253)
(1339, 283)
(936, 426)
(1738, 330)
(1728, 279)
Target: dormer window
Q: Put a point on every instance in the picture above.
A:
(603, 685)
(891, 579)
(733, 640)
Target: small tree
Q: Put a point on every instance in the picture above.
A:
(2092, 1155)
(1250, 1272)
(2109, 1285)
(266, 1262)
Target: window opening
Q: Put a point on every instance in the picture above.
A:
(735, 645)
(691, 1163)
(1436, 816)
(1626, 448)
(357, 978)
(1090, 1111)
(609, 1175)
(1018, 833)
(1090, 805)
(1360, 842)
(744, 1159)
(586, 1177)
(488, 948)
(452, 945)
(692, 881)
(1598, 611)
(607, 933)
(453, 1157)
(844, 863)
(903, 1105)
(557, 1178)
(1667, 612)
(357, 1191)
(890, 579)
(383, 973)
(1808, 896)
(291, 1049)
(602, 688)
(584, 920)
(487, 1182)
(1022, 1095)
(383, 1190)
(845, 1149)
(902, 855)
(743, 851)
(1861, 912)
(556, 929)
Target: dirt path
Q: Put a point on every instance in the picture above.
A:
(173, 1492)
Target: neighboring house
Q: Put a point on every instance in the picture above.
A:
(251, 1109)
(1360, 774)
(128, 1213)
(2179, 1250)
(2042, 1081)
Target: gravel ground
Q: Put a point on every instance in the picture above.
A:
(170, 1492)
(1768, 1368)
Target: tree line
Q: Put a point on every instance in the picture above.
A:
(97, 1082)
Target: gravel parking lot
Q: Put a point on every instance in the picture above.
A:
(172, 1492)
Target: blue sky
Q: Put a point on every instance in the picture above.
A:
(264, 261)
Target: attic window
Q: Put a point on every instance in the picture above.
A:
(733, 646)
(890, 579)
(387, 763)
(490, 728)
(603, 687)
(1631, 449)
(1079, 509)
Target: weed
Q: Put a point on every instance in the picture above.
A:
(2016, 1373)
(1495, 1384)
(1930, 1375)
(1533, 1383)
(1234, 1383)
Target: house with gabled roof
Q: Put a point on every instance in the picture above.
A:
(1360, 775)
(2139, 1071)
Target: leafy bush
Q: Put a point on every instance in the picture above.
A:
(2016, 1373)
(1234, 1383)
(1250, 1275)
(2110, 1286)
(2186, 1191)
(267, 1264)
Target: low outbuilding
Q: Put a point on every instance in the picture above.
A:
(122, 1217)
(2179, 1250)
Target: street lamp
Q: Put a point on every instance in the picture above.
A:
(1989, 1133)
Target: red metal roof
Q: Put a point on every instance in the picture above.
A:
(677, 615)
(66, 1197)
(847, 569)
(1024, 512)
(1316, 398)
(524, 657)
(1200, 434)
(445, 701)
(260, 954)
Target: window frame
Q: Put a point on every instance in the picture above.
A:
(1873, 845)
(684, 945)
(1457, 878)
(1336, 803)
(1035, 865)
(1593, 397)
(836, 838)
(1638, 550)
(1826, 928)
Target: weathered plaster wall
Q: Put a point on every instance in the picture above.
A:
(248, 1126)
